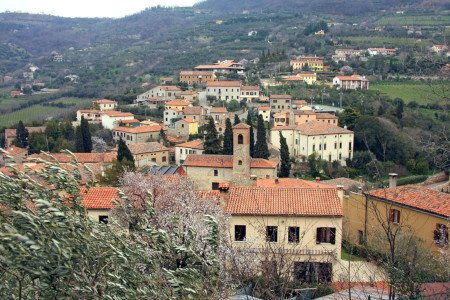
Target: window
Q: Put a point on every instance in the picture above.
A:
(215, 186)
(349, 145)
(240, 233)
(154, 159)
(240, 162)
(293, 234)
(272, 234)
(324, 146)
(314, 147)
(216, 172)
(320, 146)
(240, 139)
(394, 216)
(326, 235)
(340, 155)
(360, 237)
(340, 145)
(440, 235)
(103, 219)
(164, 158)
(181, 151)
(313, 272)
(335, 145)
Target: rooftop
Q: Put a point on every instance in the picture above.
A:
(178, 102)
(280, 97)
(249, 88)
(196, 73)
(352, 78)
(12, 132)
(13, 151)
(223, 84)
(325, 116)
(283, 201)
(195, 144)
(101, 198)
(193, 110)
(416, 196)
(169, 88)
(316, 128)
(218, 110)
(141, 148)
(104, 101)
(139, 129)
(291, 183)
(113, 113)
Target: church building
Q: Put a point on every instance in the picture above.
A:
(220, 171)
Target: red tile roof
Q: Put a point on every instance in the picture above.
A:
(130, 121)
(241, 126)
(223, 161)
(250, 88)
(101, 198)
(195, 144)
(283, 201)
(264, 108)
(196, 73)
(291, 183)
(193, 110)
(325, 116)
(104, 101)
(177, 102)
(169, 88)
(189, 120)
(139, 129)
(352, 78)
(113, 113)
(13, 151)
(218, 110)
(141, 148)
(416, 196)
(80, 157)
(280, 97)
(315, 128)
(223, 84)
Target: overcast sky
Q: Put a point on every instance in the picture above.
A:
(87, 8)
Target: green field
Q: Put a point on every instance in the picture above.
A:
(74, 101)
(431, 20)
(387, 41)
(421, 92)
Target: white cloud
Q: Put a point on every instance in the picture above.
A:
(87, 8)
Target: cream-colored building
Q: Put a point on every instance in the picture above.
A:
(112, 118)
(105, 104)
(308, 78)
(183, 128)
(98, 201)
(197, 77)
(184, 149)
(264, 111)
(280, 102)
(149, 154)
(218, 171)
(167, 92)
(328, 141)
(311, 63)
(224, 90)
(250, 93)
(354, 82)
(295, 230)
(91, 115)
(135, 135)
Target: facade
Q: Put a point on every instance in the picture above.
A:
(105, 104)
(295, 231)
(308, 78)
(111, 119)
(135, 135)
(183, 128)
(171, 115)
(91, 115)
(305, 116)
(167, 92)
(178, 104)
(349, 52)
(217, 171)
(153, 103)
(225, 66)
(218, 113)
(189, 95)
(265, 112)
(197, 77)
(329, 142)
(311, 63)
(224, 90)
(414, 209)
(196, 113)
(184, 149)
(354, 82)
(250, 93)
(280, 102)
(149, 154)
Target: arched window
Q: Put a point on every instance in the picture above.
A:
(240, 139)
(240, 162)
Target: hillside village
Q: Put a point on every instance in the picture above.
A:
(303, 198)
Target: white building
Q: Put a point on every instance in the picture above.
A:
(264, 111)
(354, 82)
(166, 92)
(250, 93)
(111, 119)
(224, 90)
(329, 141)
(184, 149)
(105, 104)
(170, 115)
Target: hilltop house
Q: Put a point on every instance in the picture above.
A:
(105, 104)
(98, 201)
(224, 90)
(308, 78)
(112, 118)
(10, 134)
(197, 77)
(183, 128)
(328, 141)
(225, 66)
(184, 149)
(149, 154)
(308, 63)
(196, 113)
(382, 51)
(135, 135)
(250, 93)
(265, 112)
(173, 110)
(353, 82)
(219, 171)
(166, 92)
(280, 102)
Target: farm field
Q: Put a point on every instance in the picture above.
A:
(431, 20)
(420, 92)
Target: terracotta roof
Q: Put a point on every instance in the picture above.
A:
(113, 113)
(193, 110)
(315, 128)
(325, 116)
(104, 101)
(416, 196)
(130, 121)
(283, 201)
(241, 126)
(189, 120)
(347, 183)
(101, 198)
(223, 161)
(178, 102)
(223, 84)
(169, 88)
(92, 111)
(13, 151)
(141, 148)
(139, 129)
(208, 194)
(264, 108)
(280, 97)
(175, 139)
(291, 183)
(352, 78)
(250, 88)
(79, 157)
(195, 144)
(217, 110)
(299, 102)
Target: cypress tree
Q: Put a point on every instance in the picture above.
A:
(163, 137)
(212, 142)
(285, 167)
(236, 119)
(252, 137)
(21, 136)
(79, 146)
(86, 134)
(261, 147)
(124, 153)
(228, 138)
(399, 108)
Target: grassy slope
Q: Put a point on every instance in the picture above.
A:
(421, 92)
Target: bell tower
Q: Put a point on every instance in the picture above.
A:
(241, 153)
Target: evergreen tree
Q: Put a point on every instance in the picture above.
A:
(163, 137)
(124, 153)
(399, 108)
(261, 147)
(21, 136)
(236, 119)
(79, 146)
(86, 134)
(285, 167)
(212, 142)
(228, 138)
(252, 137)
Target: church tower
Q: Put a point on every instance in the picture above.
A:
(241, 153)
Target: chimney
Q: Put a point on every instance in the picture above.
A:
(340, 192)
(392, 180)
(317, 179)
